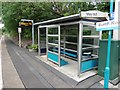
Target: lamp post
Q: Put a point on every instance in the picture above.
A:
(33, 40)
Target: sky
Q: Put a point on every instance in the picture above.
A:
(1, 25)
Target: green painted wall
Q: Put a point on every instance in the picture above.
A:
(114, 59)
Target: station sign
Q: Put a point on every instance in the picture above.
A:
(93, 13)
(108, 25)
(26, 23)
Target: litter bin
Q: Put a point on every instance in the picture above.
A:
(114, 58)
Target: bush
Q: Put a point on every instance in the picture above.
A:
(105, 35)
(34, 47)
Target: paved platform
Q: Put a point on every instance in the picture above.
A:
(69, 70)
(33, 73)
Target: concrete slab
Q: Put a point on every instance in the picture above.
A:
(97, 85)
(119, 86)
(87, 83)
(115, 81)
(70, 69)
(110, 84)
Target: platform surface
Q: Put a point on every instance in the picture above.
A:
(35, 73)
(70, 69)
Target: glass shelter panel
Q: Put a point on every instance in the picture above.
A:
(89, 30)
(53, 30)
(42, 41)
(90, 45)
(54, 51)
(69, 37)
(90, 40)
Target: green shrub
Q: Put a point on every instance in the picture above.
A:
(105, 35)
(34, 47)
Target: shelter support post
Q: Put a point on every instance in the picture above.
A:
(59, 45)
(100, 35)
(33, 39)
(47, 42)
(39, 50)
(80, 32)
(64, 33)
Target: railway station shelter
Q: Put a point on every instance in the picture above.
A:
(72, 39)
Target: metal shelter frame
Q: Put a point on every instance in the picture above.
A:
(80, 22)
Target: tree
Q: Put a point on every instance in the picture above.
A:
(13, 12)
(69, 8)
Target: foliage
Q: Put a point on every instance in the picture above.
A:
(105, 35)
(34, 47)
(69, 8)
(4, 30)
(13, 12)
(104, 6)
(86, 32)
(26, 33)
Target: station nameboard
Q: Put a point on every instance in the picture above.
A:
(26, 23)
(93, 13)
(108, 25)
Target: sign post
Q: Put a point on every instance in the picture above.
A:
(104, 26)
(19, 31)
(107, 68)
(108, 25)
